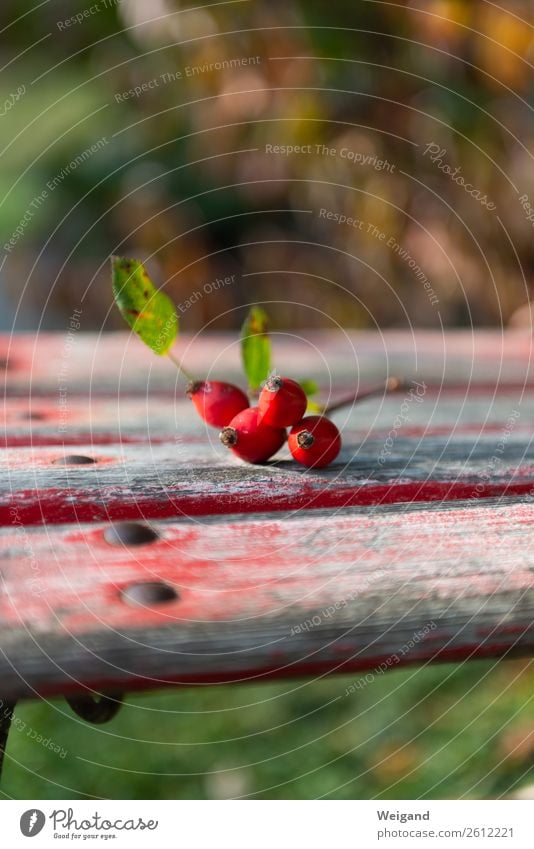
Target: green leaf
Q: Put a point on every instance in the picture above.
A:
(150, 313)
(256, 347)
(309, 386)
(314, 408)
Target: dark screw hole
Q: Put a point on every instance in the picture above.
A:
(130, 533)
(150, 592)
(33, 416)
(75, 460)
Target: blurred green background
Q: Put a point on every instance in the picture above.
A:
(438, 732)
(183, 177)
(178, 175)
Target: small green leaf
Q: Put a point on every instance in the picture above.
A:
(314, 408)
(150, 313)
(309, 386)
(256, 347)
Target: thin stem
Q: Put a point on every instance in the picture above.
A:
(392, 384)
(179, 365)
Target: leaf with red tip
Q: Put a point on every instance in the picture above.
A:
(149, 312)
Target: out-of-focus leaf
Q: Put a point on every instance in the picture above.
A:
(314, 408)
(256, 347)
(150, 313)
(309, 386)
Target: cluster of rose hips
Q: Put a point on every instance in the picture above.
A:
(253, 433)
(256, 433)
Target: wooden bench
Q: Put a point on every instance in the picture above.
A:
(136, 552)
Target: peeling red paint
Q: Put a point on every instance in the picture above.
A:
(252, 553)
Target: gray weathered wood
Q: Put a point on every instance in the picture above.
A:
(267, 595)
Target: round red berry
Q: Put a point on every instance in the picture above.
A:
(282, 402)
(315, 442)
(250, 439)
(217, 402)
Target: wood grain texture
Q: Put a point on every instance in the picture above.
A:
(155, 458)
(262, 596)
(425, 522)
(100, 420)
(193, 477)
(118, 362)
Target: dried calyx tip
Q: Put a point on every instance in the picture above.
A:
(228, 436)
(193, 386)
(273, 384)
(305, 439)
(394, 383)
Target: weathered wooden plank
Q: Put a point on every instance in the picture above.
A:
(198, 477)
(39, 363)
(98, 420)
(258, 596)
(292, 592)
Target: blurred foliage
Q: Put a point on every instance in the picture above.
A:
(184, 181)
(436, 732)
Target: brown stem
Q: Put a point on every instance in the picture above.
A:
(178, 365)
(392, 384)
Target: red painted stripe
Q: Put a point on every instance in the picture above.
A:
(54, 506)
(42, 440)
(31, 439)
(434, 388)
(459, 654)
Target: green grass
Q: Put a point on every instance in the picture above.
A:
(438, 732)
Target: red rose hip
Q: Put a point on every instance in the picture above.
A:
(282, 402)
(250, 439)
(315, 442)
(216, 402)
